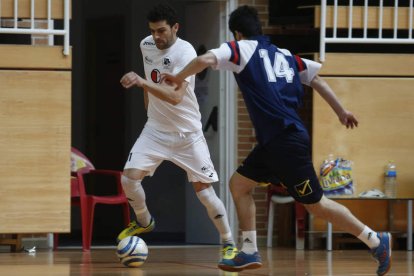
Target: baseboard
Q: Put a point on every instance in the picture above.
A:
(45, 242)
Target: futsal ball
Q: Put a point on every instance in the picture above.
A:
(132, 251)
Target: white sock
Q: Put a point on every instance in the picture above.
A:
(249, 242)
(136, 197)
(369, 237)
(217, 213)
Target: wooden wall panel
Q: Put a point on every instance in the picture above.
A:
(365, 64)
(24, 11)
(379, 222)
(35, 113)
(384, 107)
(358, 17)
(34, 57)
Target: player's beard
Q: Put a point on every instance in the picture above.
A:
(163, 44)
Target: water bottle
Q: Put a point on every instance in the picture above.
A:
(390, 181)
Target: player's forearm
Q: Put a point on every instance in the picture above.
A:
(194, 67)
(326, 92)
(163, 92)
(197, 65)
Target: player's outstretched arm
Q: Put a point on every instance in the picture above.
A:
(197, 65)
(165, 90)
(326, 92)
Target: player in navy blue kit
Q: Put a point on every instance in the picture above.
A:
(270, 80)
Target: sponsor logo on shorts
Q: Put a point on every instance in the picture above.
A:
(304, 188)
(207, 170)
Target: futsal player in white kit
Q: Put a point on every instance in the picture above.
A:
(173, 131)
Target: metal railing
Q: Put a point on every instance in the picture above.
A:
(15, 29)
(378, 38)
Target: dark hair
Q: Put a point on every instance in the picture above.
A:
(163, 12)
(245, 20)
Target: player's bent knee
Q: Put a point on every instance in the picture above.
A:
(312, 208)
(207, 196)
(240, 185)
(134, 174)
(234, 182)
(210, 200)
(234, 189)
(319, 208)
(200, 186)
(126, 181)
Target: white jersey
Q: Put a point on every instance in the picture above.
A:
(163, 116)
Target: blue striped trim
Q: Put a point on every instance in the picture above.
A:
(128, 246)
(139, 254)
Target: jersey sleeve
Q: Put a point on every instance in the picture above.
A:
(307, 68)
(228, 57)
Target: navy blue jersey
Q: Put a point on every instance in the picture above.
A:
(270, 80)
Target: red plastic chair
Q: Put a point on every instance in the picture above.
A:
(82, 166)
(277, 194)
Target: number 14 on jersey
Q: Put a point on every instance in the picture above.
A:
(280, 69)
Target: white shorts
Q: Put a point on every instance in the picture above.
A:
(188, 150)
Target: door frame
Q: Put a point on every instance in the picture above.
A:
(227, 123)
(228, 128)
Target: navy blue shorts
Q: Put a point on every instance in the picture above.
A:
(287, 158)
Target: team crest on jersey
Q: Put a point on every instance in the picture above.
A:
(166, 62)
(155, 75)
(148, 60)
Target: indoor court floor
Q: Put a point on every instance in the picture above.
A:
(198, 261)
